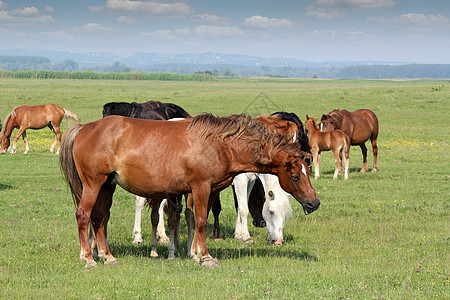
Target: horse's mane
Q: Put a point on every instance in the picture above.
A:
(5, 123)
(244, 127)
(336, 114)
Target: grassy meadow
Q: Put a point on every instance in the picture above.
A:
(378, 235)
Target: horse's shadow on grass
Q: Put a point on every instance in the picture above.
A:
(5, 187)
(232, 250)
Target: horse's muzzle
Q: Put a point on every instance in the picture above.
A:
(309, 207)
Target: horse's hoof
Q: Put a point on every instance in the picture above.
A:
(248, 241)
(374, 170)
(110, 262)
(209, 262)
(164, 240)
(196, 258)
(153, 254)
(91, 265)
(138, 241)
(363, 171)
(171, 258)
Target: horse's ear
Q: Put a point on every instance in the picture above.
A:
(307, 117)
(323, 117)
(315, 120)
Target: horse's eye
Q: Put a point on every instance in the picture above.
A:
(295, 177)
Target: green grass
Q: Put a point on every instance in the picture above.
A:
(375, 236)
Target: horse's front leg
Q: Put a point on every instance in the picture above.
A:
(242, 187)
(25, 140)
(216, 208)
(161, 230)
(201, 202)
(316, 160)
(16, 138)
(139, 207)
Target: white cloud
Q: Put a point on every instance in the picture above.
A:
(323, 33)
(217, 31)
(60, 34)
(127, 20)
(24, 15)
(211, 19)
(265, 22)
(92, 27)
(142, 7)
(166, 33)
(3, 5)
(356, 4)
(356, 34)
(325, 13)
(333, 9)
(412, 18)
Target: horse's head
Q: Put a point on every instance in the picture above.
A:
(293, 174)
(284, 127)
(326, 123)
(4, 143)
(310, 123)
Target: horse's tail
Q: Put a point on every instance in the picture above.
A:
(70, 114)
(68, 164)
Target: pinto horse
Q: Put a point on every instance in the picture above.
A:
(33, 117)
(359, 125)
(199, 156)
(334, 140)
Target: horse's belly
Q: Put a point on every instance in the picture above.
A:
(151, 186)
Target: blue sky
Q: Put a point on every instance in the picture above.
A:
(315, 30)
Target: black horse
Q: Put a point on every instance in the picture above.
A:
(151, 110)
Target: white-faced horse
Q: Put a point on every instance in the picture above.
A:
(275, 210)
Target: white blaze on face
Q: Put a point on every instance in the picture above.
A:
(321, 126)
(304, 170)
(295, 137)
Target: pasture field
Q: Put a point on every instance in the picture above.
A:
(378, 235)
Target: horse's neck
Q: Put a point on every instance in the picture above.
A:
(313, 129)
(242, 159)
(9, 126)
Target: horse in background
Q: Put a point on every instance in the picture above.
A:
(33, 117)
(359, 126)
(199, 156)
(302, 136)
(334, 140)
(151, 110)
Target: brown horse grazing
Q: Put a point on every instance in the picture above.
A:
(335, 141)
(360, 125)
(33, 117)
(199, 155)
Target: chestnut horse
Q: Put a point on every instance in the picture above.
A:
(33, 117)
(360, 125)
(334, 140)
(199, 156)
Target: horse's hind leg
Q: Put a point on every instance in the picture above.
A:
(216, 208)
(160, 229)
(139, 207)
(173, 221)
(189, 215)
(316, 160)
(83, 215)
(155, 219)
(337, 162)
(375, 153)
(56, 130)
(99, 218)
(364, 153)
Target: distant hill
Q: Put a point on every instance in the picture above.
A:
(216, 63)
